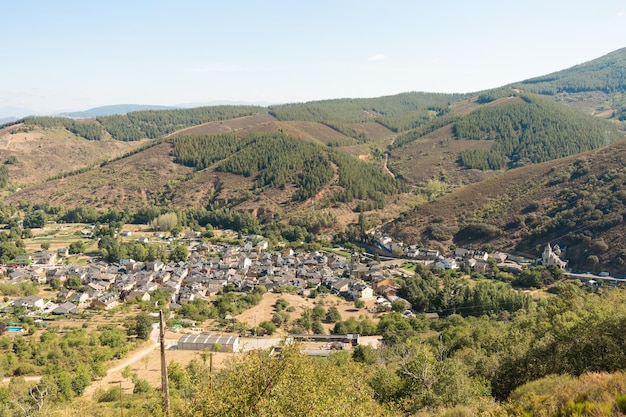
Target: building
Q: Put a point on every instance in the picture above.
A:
(552, 256)
(446, 264)
(226, 343)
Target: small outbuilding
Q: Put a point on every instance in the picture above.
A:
(221, 343)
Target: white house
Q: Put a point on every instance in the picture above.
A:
(446, 264)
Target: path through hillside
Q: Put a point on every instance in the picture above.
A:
(112, 373)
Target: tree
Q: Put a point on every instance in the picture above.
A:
(281, 304)
(359, 303)
(77, 247)
(398, 306)
(179, 254)
(257, 384)
(317, 327)
(45, 245)
(529, 278)
(143, 326)
(35, 220)
(165, 222)
(268, 327)
(73, 282)
(142, 386)
(333, 315)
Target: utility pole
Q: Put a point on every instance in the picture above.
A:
(164, 386)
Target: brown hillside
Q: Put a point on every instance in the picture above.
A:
(372, 130)
(577, 202)
(311, 131)
(231, 125)
(133, 181)
(44, 153)
(434, 157)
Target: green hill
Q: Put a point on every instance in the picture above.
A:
(344, 155)
(607, 74)
(506, 131)
(596, 87)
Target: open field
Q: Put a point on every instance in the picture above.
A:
(265, 309)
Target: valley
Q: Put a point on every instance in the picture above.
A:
(476, 240)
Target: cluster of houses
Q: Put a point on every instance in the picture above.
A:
(210, 268)
(476, 260)
(213, 266)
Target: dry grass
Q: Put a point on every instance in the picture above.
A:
(133, 181)
(225, 126)
(436, 155)
(265, 309)
(43, 153)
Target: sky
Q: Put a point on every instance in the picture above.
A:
(74, 55)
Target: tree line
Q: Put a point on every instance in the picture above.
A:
(606, 74)
(156, 123)
(364, 109)
(83, 128)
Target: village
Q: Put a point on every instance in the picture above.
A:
(212, 267)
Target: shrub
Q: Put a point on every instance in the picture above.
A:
(620, 403)
(108, 396)
(281, 304)
(142, 387)
(268, 327)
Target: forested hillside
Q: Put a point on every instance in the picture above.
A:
(152, 123)
(597, 87)
(607, 74)
(275, 159)
(86, 129)
(363, 109)
(349, 155)
(530, 130)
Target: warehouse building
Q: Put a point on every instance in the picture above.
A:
(222, 343)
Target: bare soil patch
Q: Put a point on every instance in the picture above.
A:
(265, 309)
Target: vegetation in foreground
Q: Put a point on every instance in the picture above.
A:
(562, 356)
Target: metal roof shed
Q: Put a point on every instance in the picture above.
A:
(227, 343)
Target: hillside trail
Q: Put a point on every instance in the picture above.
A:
(385, 166)
(136, 356)
(387, 170)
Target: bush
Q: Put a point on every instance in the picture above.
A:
(281, 304)
(268, 327)
(108, 396)
(620, 403)
(142, 387)
(25, 369)
(439, 232)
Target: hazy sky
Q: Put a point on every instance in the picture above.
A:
(73, 55)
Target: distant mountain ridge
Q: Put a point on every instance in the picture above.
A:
(114, 109)
(7, 120)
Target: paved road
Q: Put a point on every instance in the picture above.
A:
(586, 277)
